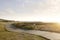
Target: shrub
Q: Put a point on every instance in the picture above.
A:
(23, 26)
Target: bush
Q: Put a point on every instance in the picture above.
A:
(23, 26)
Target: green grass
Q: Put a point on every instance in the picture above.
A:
(5, 35)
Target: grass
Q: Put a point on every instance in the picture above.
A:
(5, 35)
(51, 27)
(19, 36)
(2, 27)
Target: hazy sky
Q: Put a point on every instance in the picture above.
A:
(30, 10)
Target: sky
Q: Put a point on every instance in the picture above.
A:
(30, 10)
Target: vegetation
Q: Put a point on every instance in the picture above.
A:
(23, 26)
(52, 27)
(2, 27)
(30, 26)
(6, 35)
(19, 36)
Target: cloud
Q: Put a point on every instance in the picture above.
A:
(45, 10)
(8, 13)
(30, 6)
(34, 10)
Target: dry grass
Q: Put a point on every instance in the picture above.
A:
(19, 36)
(2, 27)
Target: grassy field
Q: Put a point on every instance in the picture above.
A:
(52, 27)
(6, 35)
